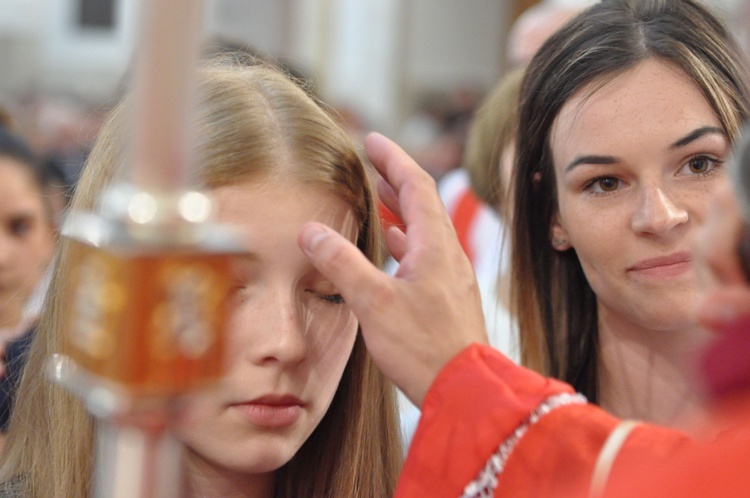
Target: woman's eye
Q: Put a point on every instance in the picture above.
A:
(700, 165)
(603, 185)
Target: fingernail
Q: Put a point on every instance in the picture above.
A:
(312, 235)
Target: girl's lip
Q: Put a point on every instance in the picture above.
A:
(271, 411)
(275, 399)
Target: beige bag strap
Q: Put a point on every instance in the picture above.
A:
(607, 456)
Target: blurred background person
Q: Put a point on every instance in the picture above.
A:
(435, 133)
(476, 198)
(476, 193)
(29, 210)
(27, 235)
(536, 24)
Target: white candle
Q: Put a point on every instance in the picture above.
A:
(164, 64)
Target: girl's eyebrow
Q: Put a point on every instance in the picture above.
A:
(696, 134)
(690, 137)
(246, 256)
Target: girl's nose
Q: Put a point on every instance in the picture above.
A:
(281, 331)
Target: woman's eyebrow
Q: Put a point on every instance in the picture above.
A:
(590, 160)
(696, 134)
(690, 137)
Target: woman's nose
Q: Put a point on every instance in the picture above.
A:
(657, 213)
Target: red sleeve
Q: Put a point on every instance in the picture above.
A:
(476, 403)
(478, 399)
(556, 457)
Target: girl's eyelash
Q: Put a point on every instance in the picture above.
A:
(329, 298)
(332, 298)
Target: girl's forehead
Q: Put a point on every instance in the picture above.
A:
(279, 205)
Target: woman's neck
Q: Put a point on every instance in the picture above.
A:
(203, 480)
(647, 374)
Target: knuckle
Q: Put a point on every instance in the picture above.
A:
(382, 297)
(429, 182)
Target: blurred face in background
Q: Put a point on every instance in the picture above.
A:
(26, 238)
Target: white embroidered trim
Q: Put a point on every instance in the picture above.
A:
(483, 486)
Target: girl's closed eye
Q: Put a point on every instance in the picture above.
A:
(238, 294)
(245, 272)
(241, 287)
(328, 298)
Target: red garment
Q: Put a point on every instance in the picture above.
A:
(476, 403)
(464, 217)
(477, 225)
(717, 469)
(388, 218)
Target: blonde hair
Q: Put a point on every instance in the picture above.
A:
(492, 130)
(252, 121)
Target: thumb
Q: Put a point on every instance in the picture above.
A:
(341, 262)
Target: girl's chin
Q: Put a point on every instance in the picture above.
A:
(241, 461)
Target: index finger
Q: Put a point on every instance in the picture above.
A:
(391, 161)
(415, 189)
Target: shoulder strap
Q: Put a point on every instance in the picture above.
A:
(607, 456)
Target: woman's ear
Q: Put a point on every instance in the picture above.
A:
(558, 235)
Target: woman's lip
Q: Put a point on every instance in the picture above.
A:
(271, 411)
(670, 266)
(662, 261)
